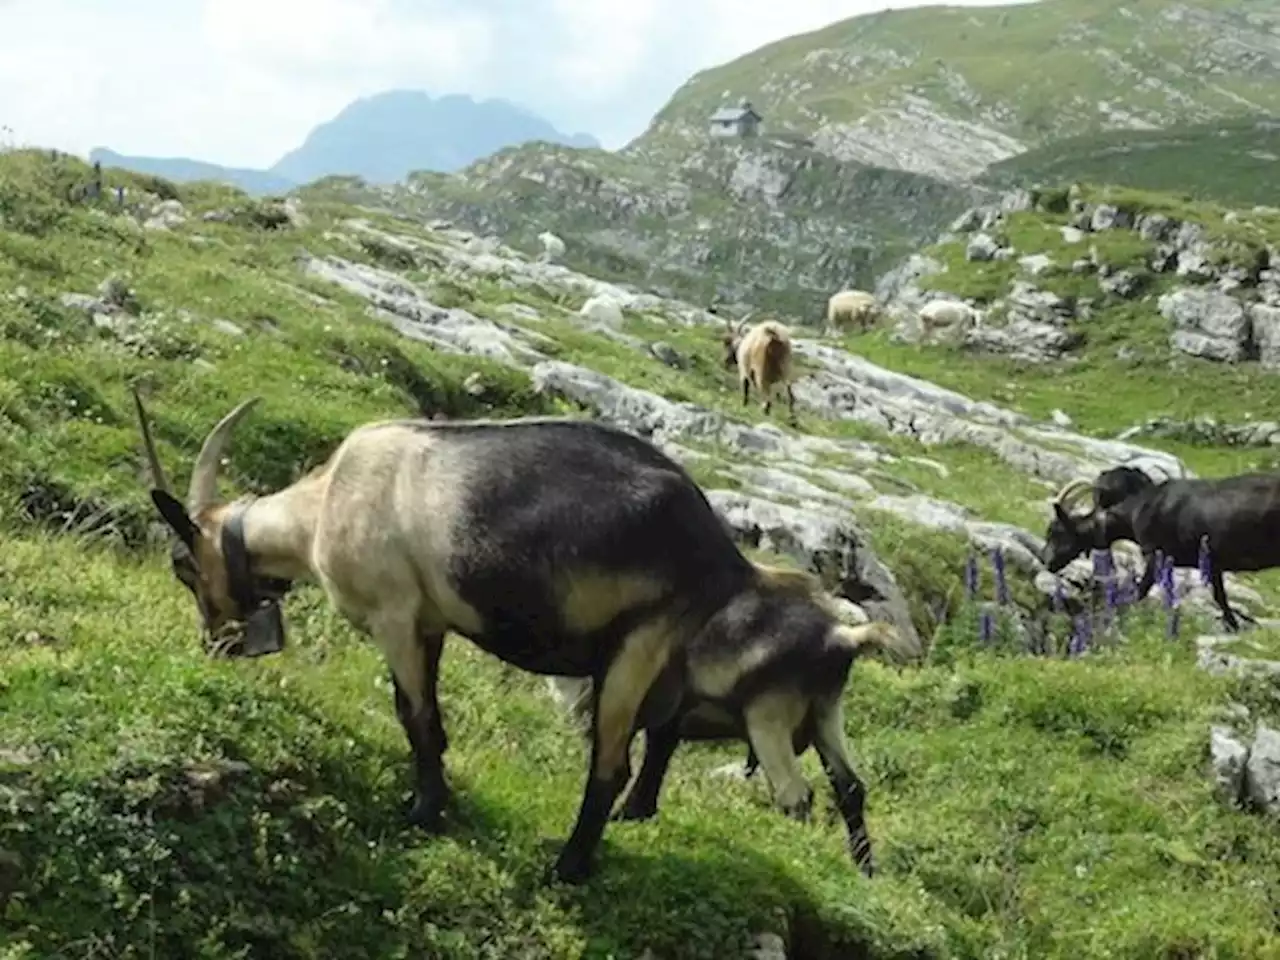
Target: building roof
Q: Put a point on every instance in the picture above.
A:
(730, 114)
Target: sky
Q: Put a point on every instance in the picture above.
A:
(241, 82)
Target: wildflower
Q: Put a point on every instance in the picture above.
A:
(1080, 636)
(971, 577)
(1206, 562)
(1103, 563)
(986, 626)
(1002, 586)
(1167, 584)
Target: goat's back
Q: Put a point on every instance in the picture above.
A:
(1239, 514)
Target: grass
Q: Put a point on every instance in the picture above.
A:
(156, 803)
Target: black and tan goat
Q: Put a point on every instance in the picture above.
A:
(563, 547)
(763, 358)
(1238, 516)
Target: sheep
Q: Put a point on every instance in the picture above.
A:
(552, 246)
(1238, 515)
(763, 357)
(563, 547)
(948, 314)
(602, 309)
(707, 719)
(852, 307)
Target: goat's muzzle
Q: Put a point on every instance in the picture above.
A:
(259, 634)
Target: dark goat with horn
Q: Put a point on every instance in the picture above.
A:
(1238, 516)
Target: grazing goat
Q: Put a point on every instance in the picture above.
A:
(851, 307)
(604, 310)
(702, 718)
(1239, 516)
(947, 314)
(763, 357)
(552, 246)
(563, 547)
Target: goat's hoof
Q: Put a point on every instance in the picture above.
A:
(570, 869)
(426, 815)
(635, 812)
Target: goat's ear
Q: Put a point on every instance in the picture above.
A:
(175, 515)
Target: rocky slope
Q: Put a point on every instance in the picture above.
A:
(771, 223)
(180, 779)
(948, 91)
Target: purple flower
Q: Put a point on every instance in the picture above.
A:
(971, 577)
(1002, 587)
(1206, 562)
(1080, 636)
(1103, 563)
(986, 626)
(1172, 623)
(1167, 583)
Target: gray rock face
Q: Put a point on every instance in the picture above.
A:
(1229, 757)
(1262, 772)
(1207, 323)
(981, 247)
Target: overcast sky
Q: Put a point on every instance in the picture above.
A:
(240, 82)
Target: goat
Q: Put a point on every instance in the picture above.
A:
(947, 314)
(552, 246)
(1238, 516)
(852, 307)
(703, 718)
(563, 547)
(763, 357)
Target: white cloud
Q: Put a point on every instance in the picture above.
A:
(242, 81)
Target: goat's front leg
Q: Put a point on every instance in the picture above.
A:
(660, 745)
(1220, 598)
(626, 683)
(415, 668)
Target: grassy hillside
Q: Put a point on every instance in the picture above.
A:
(156, 803)
(1233, 163)
(947, 90)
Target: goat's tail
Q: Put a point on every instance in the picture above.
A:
(777, 354)
(876, 635)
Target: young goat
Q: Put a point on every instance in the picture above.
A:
(1240, 517)
(563, 547)
(795, 688)
(763, 357)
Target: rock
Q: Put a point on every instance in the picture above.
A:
(1083, 266)
(824, 543)
(767, 946)
(217, 216)
(1157, 227)
(1207, 323)
(1265, 321)
(967, 222)
(1023, 339)
(665, 353)
(1025, 302)
(1107, 217)
(981, 247)
(1229, 757)
(1060, 418)
(1122, 283)
(1035, 263)
(166, 215)
(1213, 656)
(474, 385)
(1262, 772)
(227, 327)
(1072, 234)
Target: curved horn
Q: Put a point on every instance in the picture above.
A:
(204, 479)
(158, 480)
(742, 324)
(1071, 491)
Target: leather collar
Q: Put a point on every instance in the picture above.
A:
(248, 591)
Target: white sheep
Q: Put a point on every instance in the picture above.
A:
(951, 315)
(604, 310)
(851, 307)
(552, 246)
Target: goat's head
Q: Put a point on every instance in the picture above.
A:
(1070, 533)
(731, 339)
(240, 611)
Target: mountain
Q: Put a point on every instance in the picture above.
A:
(1058, 777)
(949, 90)
(381, 138)
(183, 170)
(1235, 162)
(385, 137)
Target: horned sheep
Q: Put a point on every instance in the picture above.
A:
(763, 358)
(1237, 517)
(563, 547)
(552, 246)
(852, 307)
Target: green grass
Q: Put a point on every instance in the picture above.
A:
(1021, 807)
(1231, 162)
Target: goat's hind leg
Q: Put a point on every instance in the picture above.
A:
(849, 790)
(626, 682)
(772, 719)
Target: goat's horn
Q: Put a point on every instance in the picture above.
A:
(204, 479)
(158, 479)
(1067, 494)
